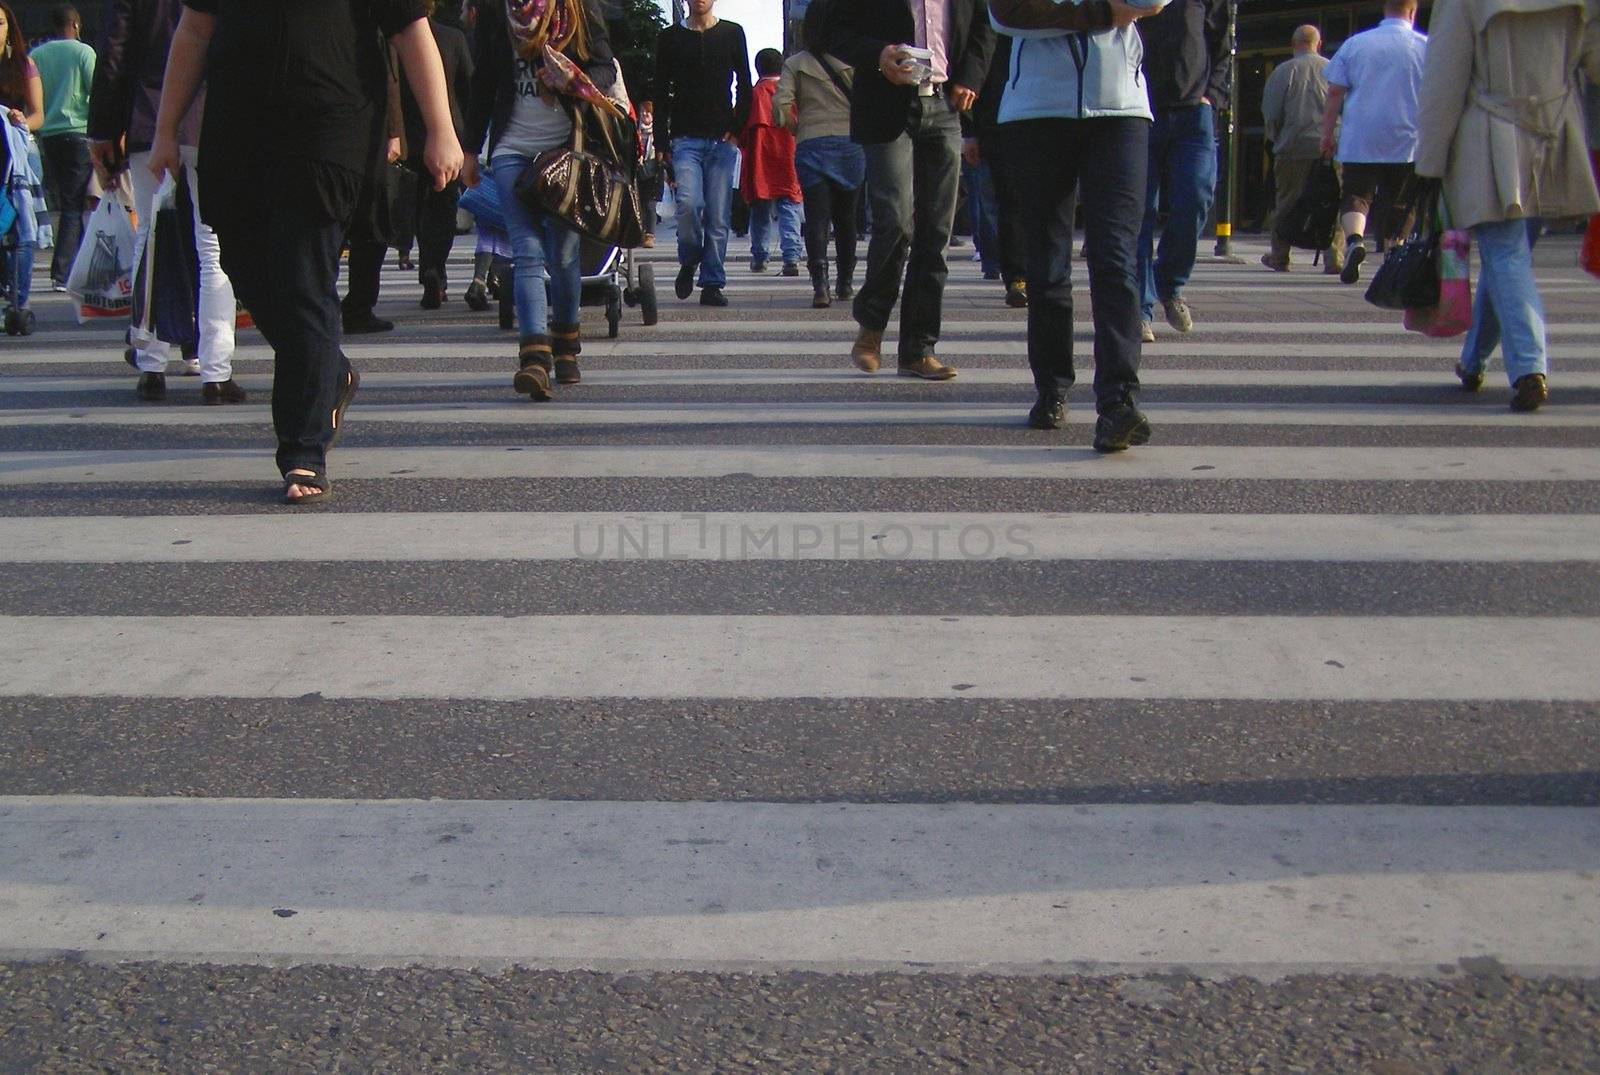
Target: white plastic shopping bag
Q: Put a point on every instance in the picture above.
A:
(101, 279)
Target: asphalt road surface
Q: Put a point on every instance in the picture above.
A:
(737, 710)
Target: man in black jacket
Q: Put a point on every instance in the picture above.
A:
(1186, 68)
(906, 109)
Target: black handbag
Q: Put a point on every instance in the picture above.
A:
(1408, 279)
(1311, 220)
(591, 182)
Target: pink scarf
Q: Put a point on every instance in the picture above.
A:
(536, 23)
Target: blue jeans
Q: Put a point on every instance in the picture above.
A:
(1183, 175)
(539, 242)
(1507, 309)
(19, 271)
(788, 214)
(704, 170)
(983, 205)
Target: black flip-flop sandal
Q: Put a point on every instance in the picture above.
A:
(308, 479)
(352, 382)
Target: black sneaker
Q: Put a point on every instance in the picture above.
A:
(712, 296)
(791, 268)
(1354, 255)
(683, 286)
(1120, 427)
(1048, 413)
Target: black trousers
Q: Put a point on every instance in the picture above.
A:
(66, 189)
(363, 272)
(995, 145)
(828, 202)
(436, 226)
(1105, 158)
(911, 184)
(285, 269)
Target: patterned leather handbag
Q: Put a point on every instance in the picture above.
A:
(590, 183)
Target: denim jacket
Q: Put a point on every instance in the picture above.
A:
(1061, 74)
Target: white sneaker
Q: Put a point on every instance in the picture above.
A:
(191, 367)
(1147, 332)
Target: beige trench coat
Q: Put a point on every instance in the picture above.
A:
(1501, 120)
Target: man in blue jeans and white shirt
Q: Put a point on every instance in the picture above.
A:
(702, 100)
(1186, 70)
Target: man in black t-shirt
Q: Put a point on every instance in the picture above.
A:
(702, 99)
(294, 132)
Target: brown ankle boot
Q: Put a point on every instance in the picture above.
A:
(867, 351)
(533, 375)
(565, 345)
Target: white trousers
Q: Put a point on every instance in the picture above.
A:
(216, 292)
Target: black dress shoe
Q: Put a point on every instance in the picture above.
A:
(712, 296)
(432, 290)
(152, 387)
(1048, 413)
(1120, 427)
(683, 286)
(217, 392)
(360, 324)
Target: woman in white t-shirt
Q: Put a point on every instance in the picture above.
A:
(514, 117)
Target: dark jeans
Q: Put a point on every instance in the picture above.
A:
(1105, 159)
(285, 269)
(911, 184)
(1011, 225)
(983, 206)
(363, 272)
(1182, 175)
(828, 202)
(66, 188)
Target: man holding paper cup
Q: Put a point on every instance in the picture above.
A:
(916, 63)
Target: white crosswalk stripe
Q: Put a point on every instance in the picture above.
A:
(673, 496)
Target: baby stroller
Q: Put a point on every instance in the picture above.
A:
(24, 225)
(611, 276)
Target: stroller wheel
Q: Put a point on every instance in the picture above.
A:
(614, 314)
(647, 294)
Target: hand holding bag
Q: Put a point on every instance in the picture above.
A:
(1409, 275)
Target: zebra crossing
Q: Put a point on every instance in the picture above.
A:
(732, 659)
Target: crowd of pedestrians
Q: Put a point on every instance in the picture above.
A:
(1048, 116)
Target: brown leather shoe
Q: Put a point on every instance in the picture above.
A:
(867, 352)
(1530, 392)
(928, 368)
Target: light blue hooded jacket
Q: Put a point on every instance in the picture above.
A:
(1062, 74)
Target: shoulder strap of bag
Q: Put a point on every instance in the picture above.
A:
(833, 74)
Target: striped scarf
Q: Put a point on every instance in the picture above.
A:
(537, 23)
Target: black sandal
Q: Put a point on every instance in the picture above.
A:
(306, 479)
(352, 381)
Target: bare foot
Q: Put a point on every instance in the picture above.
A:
(300, 490)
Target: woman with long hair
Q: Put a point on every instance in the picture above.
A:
(21, 90)
(813, 100)
(514, 117)
(22, 98)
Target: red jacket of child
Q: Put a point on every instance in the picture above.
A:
(768, 151)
